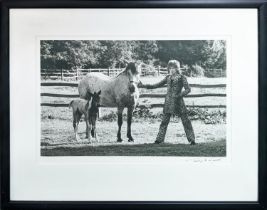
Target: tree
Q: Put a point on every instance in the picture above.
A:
(145, 51)
(217, 58)
(188, 52)
(207, 54)
(69, 54)
(116, 54)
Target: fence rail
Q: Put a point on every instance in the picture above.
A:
(68, 84)
(141, 106)
(141, 96)
(76, 73)
(79, 73)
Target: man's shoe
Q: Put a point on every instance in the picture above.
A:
(158, 142)
(193, 143)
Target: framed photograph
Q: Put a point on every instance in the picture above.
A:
(133, 104)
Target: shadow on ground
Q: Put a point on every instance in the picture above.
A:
(211, 149)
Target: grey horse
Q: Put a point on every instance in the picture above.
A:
(120, 91)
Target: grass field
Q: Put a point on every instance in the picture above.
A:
(57, 137)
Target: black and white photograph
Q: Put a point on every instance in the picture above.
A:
(133, 98)
(152, 106)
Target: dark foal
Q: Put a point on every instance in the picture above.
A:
(93, 114)
(89, 108)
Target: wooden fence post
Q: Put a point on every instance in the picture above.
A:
(45, 73)
(76, 74)
(159, 70)
(61, 74)
(108, 72)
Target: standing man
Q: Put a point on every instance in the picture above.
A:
(174, 102)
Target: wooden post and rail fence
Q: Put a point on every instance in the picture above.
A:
(76, 74)
(69, 84)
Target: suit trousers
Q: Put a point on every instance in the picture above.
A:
(186, 123)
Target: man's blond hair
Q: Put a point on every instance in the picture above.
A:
(175, 64)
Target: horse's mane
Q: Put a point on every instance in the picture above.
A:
(128, 66)
(122, 72)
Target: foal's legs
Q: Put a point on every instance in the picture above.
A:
(86, 132)
(93, 122)
(120, 110)
(93, 132)
(129, 122)
(76, 120)
(88, 128)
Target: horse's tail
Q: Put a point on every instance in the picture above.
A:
(70, 104)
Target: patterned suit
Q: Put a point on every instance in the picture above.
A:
(174, 105)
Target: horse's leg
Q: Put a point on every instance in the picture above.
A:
(74, 121)
(96, 138)
(77, 117)
(94, 129)
(86, 132)
(129, 122)
(74, 125)
(92, 121)
(89, 130)
(120, 110)
(93, 132)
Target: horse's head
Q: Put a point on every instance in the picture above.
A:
(95, 99)
(133, 71)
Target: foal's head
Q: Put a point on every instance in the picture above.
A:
(94, 98)
(133, 71)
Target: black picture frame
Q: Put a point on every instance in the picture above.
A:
(6, 203)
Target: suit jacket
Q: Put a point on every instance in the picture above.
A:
(174, 103)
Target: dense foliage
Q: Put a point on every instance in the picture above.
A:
(68, 54)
